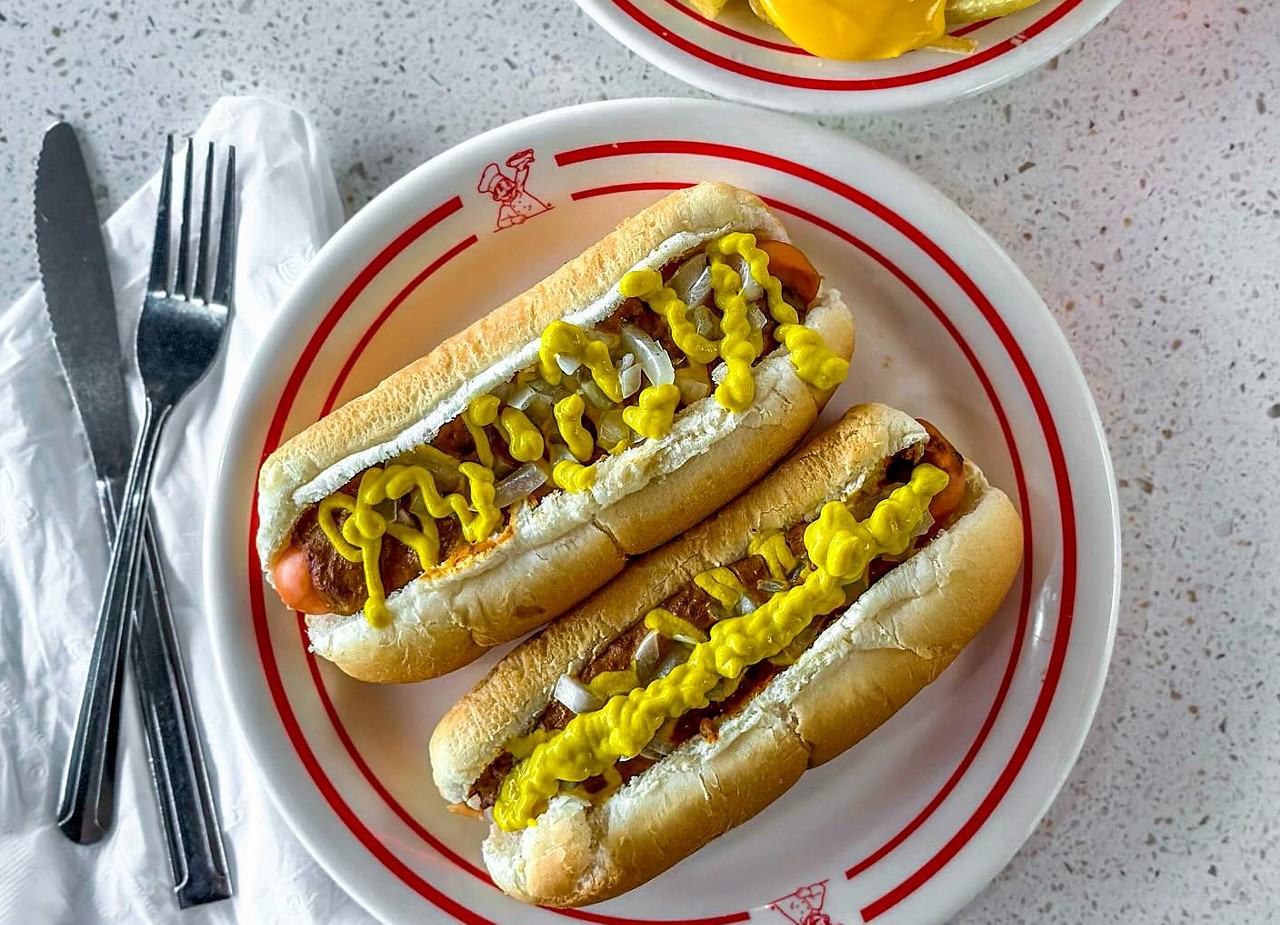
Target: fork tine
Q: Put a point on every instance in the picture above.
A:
(183, 284)
(206, 215)
(222, 281)
(159, 280)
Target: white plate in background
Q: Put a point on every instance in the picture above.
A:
(741, 58)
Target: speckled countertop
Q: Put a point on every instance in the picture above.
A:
(1136, 180)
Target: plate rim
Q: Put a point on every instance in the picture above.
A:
(658, 50)
(324, 275)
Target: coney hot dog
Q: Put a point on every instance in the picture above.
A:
(497, 481)
(689, 693)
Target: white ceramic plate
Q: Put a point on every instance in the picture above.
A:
(741, 58)
(906, 827)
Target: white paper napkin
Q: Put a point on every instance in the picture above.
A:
(53, 558)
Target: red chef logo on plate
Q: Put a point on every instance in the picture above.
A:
(804, 906)
(515, 203)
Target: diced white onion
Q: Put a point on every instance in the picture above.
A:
(629, 380)
(544, 389)
(925, 525)
(677, 656)
(724, 688)
(773, 586)
(693, 383)
(692, 390)
(685, 279)
(568, 365)
(560, 453)
(745, 605)
(439, 468)
(653, 359)
(657, 749)
(521, 397)
(646, 656)
(608, 338)
(612, 428)
(704, 322)
(757, 318)
(700, 291)
(627, 361)
(592, 393)
(575, 695)
(751, 289)
(519, 484)
(721, 370)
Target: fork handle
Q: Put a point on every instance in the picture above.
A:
(193, 834)
(87, 801)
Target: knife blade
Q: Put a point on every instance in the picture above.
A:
(81, 304)
(81, 300)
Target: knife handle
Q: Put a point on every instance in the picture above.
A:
(87, 801)
(86, 816)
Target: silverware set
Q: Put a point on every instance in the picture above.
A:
(179, 334)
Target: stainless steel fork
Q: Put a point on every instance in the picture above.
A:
(179, 334)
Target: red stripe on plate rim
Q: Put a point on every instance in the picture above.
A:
(749, 39)
(386, 313)
(845, 85)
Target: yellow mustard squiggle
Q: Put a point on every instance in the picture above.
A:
(814, 362)
(841, 549)
(665, 623)
(738, 388)
(610, 683)
(573, 477)
(568, 413)
(648, 286)
(360, 537)
(524, 441)
(564, 339)
(482, 412)
(652, 416)
(722, 585)
(773, 548)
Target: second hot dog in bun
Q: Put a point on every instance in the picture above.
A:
(699, 685)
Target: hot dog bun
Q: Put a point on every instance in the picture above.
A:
(895, 639)
(551, 556)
